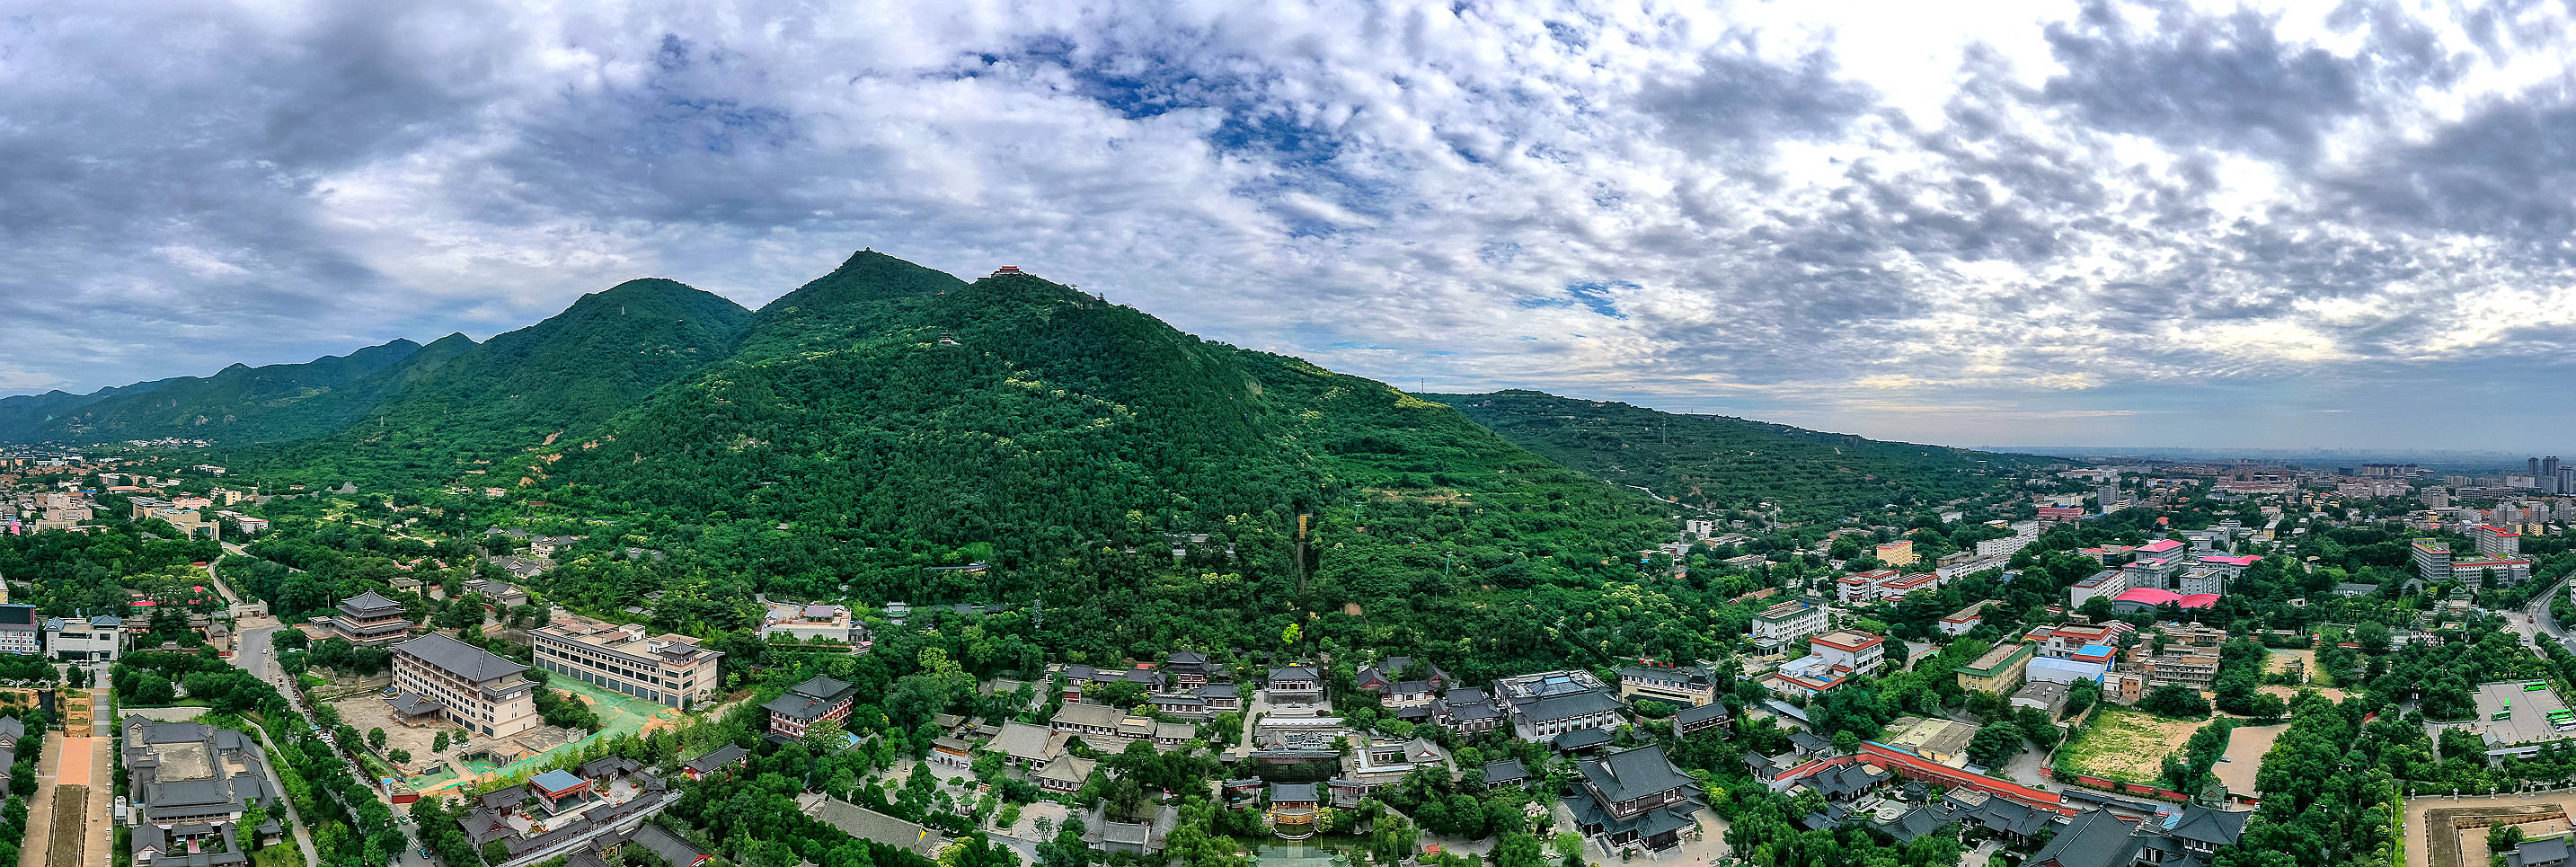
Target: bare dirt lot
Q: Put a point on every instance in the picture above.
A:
(2245, 748)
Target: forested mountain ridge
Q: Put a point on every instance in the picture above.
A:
(238, 403)
(932, 420)
(883, 419)
(564, 375)
(1720, 462)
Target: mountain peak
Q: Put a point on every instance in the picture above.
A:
(866, 276)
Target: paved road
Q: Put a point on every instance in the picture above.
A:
(253, 653)
(2538, 617)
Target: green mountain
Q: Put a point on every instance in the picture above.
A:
(907, 405)
(1718, 462)
(238, 403)
(887, 418)
(522, 389)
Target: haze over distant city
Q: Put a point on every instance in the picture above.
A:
(2010, 223)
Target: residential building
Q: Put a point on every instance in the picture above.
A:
(1688, 685)
(2432, 560)
(74, 639)
(671, 669)
(1787, 623)
(464, 685)
(2495, 541)
(1999, 671)
(1897, 553)
(2105, 584)
(1851, 649)
(1966, 619)
(1694, 719)
(1636, 800)
(2123, 688)
(2183, 665)
(808, 703)
(369, 619)
(2064, 641)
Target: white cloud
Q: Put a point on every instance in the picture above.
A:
(1780, 198)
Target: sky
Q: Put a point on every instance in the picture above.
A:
(2336, 225)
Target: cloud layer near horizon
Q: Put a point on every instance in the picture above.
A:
(2015, 223)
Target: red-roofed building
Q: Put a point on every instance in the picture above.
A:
(2149, 599)
(1851, 648)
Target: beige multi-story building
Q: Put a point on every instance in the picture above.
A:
(671, 669)
(2000, 671)
(464, 685)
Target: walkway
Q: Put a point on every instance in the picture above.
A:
(40, 808)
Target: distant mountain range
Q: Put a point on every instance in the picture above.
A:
(933, 418)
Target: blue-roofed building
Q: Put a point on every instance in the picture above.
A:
(560, 789)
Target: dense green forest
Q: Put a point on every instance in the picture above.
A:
(278, 402)
(857, 436)
(1717, 462)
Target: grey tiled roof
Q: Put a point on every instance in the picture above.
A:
(455, 657)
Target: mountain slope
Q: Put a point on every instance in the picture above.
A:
(570, 372)
(1731, 463)
(1009, 410)
(876, 423)
(238, 403)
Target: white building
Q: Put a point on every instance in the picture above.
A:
(97, 639)
(1786, 623)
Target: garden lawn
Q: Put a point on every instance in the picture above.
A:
(2125, 745)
